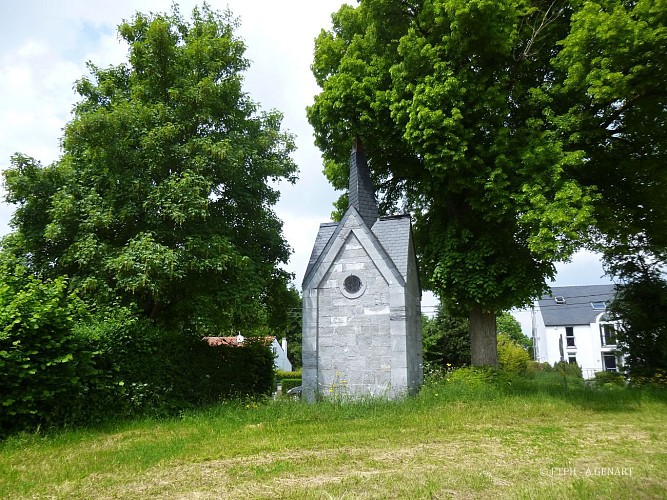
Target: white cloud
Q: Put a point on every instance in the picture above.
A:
(584, 269)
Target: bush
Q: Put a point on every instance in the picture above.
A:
(658, 380)
(290, 383)
(280, 374)
(109, 365)
(153, 369)
(568, 369)
(641, 304)
(507, 325)
(606, 378)
(512, 358)
(535, 367)
(446, 340)
(474, 376)
(45, 368)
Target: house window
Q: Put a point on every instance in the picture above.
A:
(609, 362)
(572, 359)
(559, 300)
(569, 336)
(608, 335)
(599, 306)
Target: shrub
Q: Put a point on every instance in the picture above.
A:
(536, 366)
(110, 365)
(507, 325)
(446, 340)
(512, 358)
(45, 367)
(641, 304)
(607, 378)
(568, 369)
(290, 383)
(657, 380)
(280, 374)
(153, 369)
(474, 376)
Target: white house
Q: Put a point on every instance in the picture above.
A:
(280, 360)
(572, 325)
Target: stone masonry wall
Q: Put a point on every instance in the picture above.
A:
(354, 339)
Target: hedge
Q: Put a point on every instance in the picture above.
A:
(44, 367)
(58, 372)
(289, 383)
(164, 371)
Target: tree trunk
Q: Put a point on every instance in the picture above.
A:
(483, 340)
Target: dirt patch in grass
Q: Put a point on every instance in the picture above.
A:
(301, 472)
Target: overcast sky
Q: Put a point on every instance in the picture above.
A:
(46, 43)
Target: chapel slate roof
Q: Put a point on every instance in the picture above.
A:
(361, 193)
(392, 233)
(577, 309)
(323, 236)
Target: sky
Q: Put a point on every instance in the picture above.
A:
(45, 45)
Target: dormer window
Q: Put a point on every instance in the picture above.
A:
(559, 300)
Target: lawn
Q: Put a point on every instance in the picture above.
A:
(457, 439)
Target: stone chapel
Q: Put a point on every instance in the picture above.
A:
(362, 301)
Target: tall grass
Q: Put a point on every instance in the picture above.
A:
(466, 434)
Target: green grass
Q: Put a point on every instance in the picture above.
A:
(457, 439)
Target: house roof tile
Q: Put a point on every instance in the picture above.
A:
(577, 308)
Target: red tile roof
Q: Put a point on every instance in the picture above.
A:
(233, 341)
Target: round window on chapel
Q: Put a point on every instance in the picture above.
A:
(352, 284)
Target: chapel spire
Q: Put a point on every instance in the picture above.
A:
(362, 195)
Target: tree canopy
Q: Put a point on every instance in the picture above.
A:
(449, 98)
(611, 103)
(163, 196)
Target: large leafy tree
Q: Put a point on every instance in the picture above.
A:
(611, 102)
(163, 195)
(448, 97)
